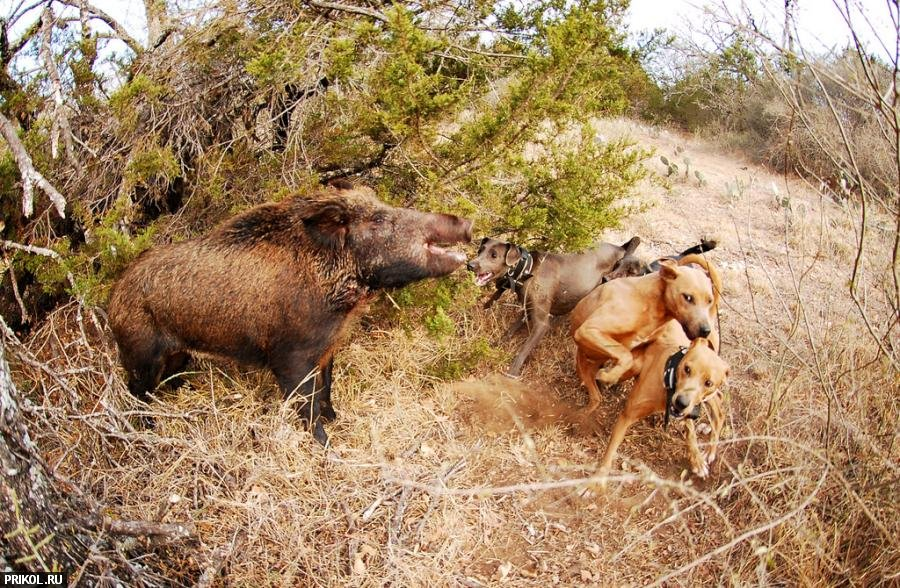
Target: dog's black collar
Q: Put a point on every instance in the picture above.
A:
(519, 273)
(670, 381)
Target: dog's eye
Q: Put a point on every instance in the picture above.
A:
(708, 383)
(688, 298)
(493, 255)
(687, 370)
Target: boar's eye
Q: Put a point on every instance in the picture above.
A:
(379, 219)
(688, 298)
(687, 370)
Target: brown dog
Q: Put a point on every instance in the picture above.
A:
(276, 286)
(675, 376)
(620, 315)
(546, 284)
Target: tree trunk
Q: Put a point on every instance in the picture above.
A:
(157, 21)
(48, 524)
(36, 516)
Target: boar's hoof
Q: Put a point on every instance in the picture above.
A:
(326, 412)
(146, 422)
(319, 433)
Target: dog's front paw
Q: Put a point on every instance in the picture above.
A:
(609, 376)
(596, 487)
(701, 470)
(704, 429)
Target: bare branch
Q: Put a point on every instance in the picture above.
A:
(21, 10)
(60, 122)
(349, 8)
(8, 51)
(116, 26)
(148, 529)
(29, 249)
(30, 176)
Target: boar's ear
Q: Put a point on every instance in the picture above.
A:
(328, 223)
(341, 184)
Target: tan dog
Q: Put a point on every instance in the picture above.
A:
(619, 315)
(694, 381)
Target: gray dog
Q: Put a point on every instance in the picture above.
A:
(545, 283)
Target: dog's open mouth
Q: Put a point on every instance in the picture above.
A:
(694, 413)
(483, 278)
(439, 251)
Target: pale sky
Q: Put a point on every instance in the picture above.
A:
(821, 27)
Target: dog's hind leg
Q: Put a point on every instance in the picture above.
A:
(587, 371)
(594, 342)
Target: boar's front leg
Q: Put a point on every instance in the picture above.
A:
(296, 374)
(325, 395)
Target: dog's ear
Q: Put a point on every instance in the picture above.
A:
(668, 269)
(513, 255)
(703, 341)
(483, 241)
(700, 341)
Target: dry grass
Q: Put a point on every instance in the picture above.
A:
(480, 482)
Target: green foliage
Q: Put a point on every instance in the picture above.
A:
(437, 301)
(708, 90)
(455, 364)
(151, 164)
(89, 271)
(140, 90)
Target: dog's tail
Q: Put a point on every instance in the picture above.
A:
(711, 269)
(630, 245)
(704, 246)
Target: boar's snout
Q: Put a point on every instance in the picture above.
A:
(449, 229)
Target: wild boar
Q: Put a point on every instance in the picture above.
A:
(275, 287)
